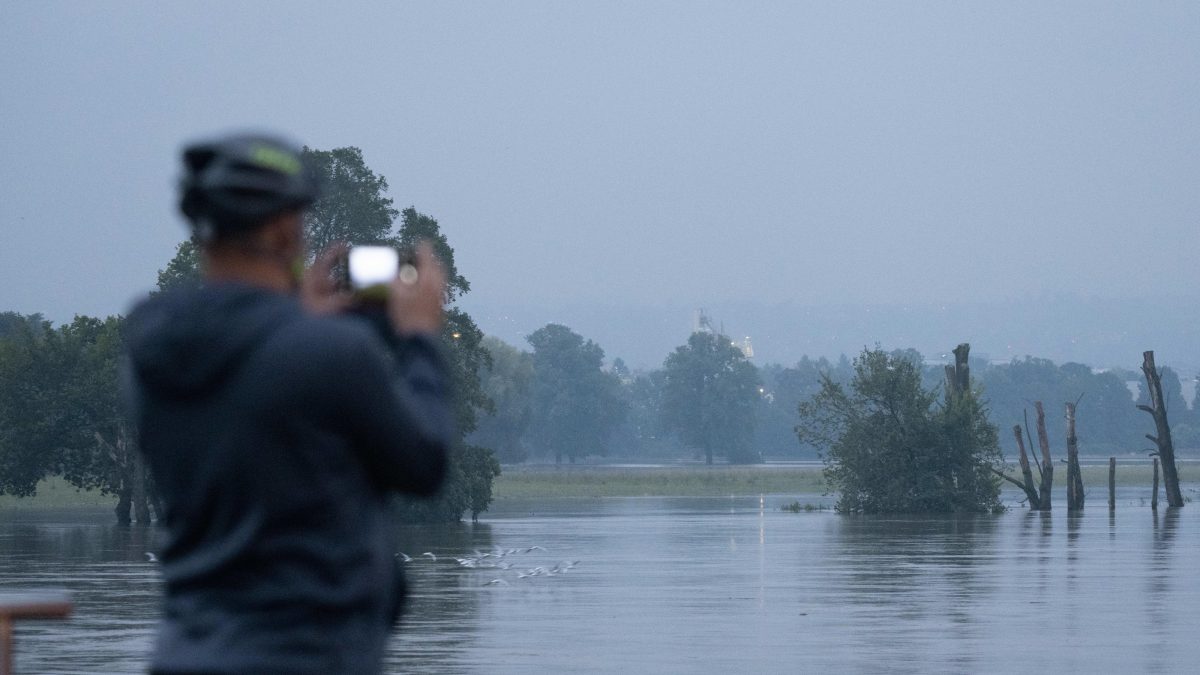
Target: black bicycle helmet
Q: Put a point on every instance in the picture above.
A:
(234, 183)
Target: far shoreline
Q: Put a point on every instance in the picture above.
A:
(592, 480)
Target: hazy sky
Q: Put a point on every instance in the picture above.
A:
(634, 153)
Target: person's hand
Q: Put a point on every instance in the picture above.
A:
(416, 307)
(319, 292)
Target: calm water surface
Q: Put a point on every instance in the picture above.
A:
(702, 585)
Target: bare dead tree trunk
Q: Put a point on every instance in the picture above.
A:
(958, 376)
(1074, 479)
(1047, 464)
(1112, 483)
(1035, 503)
(1154, 495)
(1162, 438)
(962, 368)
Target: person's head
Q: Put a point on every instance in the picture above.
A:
(244, 196)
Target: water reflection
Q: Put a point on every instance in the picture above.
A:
(1160, 605)
(912, 574)
(105, 568)
(443, 598)
(710, 585)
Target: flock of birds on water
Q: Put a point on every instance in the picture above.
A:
(496, 559)
(492, 560)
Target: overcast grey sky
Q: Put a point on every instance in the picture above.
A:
(639, 153)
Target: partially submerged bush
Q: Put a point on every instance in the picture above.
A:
(891, 446)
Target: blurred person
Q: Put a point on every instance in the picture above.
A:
(276, 424)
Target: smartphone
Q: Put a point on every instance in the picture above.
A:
(370, 269)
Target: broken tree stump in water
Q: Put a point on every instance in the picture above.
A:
(1074, 479)
(1162, 435)
(1112, 483)
(1154, 495)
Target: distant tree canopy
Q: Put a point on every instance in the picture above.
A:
(417, 227)
(576, 404)
(508, 384)
(354, 206)
(890, 448)
(785, 388)
(1108, 421)
(183, 270)
(709, 397)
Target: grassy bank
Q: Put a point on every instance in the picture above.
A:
(56, 493)
(601, 481)
(682, 481)
(702, 481)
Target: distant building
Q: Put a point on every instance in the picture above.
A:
(703, 323)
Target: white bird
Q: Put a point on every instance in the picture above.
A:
(404, 556)
(430, 555)
(150, 557)
(497, 582)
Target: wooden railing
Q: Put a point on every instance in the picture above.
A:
(15, 606)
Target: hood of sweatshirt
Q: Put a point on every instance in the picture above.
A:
(184, 343)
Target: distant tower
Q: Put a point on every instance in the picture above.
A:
(746, 347)
(701, 323)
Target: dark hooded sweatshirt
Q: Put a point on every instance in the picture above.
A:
(274, 438)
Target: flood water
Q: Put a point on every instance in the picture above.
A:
(702, 585)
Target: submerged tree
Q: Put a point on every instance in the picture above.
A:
(30, 402)
(60, 412)
(890, 447)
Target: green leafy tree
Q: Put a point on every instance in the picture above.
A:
(508, 383)
(183, 270)
(643, 434)
(60, 414)
(30, 408)
(783, 390)
(472, 468)
(576, 405)
(709, 398)
(354, 206)
(99, 447)
(1108, 421)
(416, 227)
(890, 448)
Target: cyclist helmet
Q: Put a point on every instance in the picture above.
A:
(234, 183)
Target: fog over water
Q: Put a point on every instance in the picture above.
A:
(632, 158)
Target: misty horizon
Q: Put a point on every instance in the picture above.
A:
(635, 155)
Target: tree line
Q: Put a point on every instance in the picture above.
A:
(556, 398)
(60, 412)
